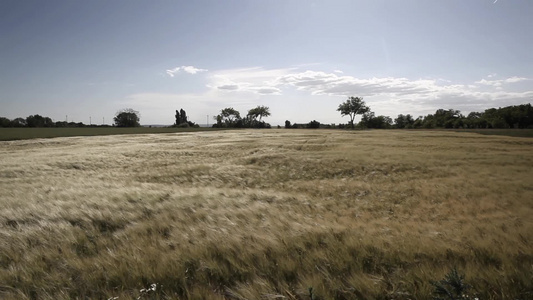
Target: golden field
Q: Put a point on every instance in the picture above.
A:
(266, 214)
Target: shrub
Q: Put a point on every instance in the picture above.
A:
(452, 287)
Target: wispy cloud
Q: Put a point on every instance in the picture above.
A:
(398, 90)
(499, 83)
(309, 93)
(252, 80)
(229, 87)
(186, 69)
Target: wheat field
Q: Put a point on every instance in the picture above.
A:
(266, 214)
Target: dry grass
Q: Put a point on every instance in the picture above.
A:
(266, 214)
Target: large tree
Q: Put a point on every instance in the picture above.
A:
(230, 116)
(18, 122)
(181, 117)
(404, 121)
(260, 111)
(4, 122)
(370, 120)
(352, 107)
(127, 118)
(39, 121)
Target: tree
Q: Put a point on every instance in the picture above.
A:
(370, 120)
(446, 117)
(18, 122)
(230, 116)
(287, 124)
(181, 117)
(260, 111)
(127, 118)
(218, 119)
(4, 122)
(39, 121)
(418, 122)
(313, 124)
(251, 118)
(352, 107)
(404, 121)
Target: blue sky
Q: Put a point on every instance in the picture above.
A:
(89, 59)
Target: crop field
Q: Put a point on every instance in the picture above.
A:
(9, 134)
(266, 214)
(506, 132)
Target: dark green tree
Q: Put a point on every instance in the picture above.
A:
(352, 107)
(260, 111)
(181, 117)
(230, 116)
(370, 120)
(476, 120)
(446, 117)
(313, 124)
(4, 122)
(218, 119)
(404, 121)
(419, 122)
(39, 121)
(18, 122)
(251, 118)
(127, 118)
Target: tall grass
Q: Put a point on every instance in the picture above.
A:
(266, 214)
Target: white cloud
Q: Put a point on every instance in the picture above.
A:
(192, 70)
(251, 80)
(321, 83)
(499, 83)
(229, 87)
(338, 71)
(268, 90)
(171, 72)
(385, 93)
(312, 94)
(187, 69)
(515, 79)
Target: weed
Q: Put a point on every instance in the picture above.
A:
(452, 287)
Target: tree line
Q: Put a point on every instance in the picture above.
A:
(123, 118)
(37, 121)
(515, 116)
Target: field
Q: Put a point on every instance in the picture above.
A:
(9, 134)
(506, 132)
(266, 214)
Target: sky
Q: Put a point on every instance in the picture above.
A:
(83, 61)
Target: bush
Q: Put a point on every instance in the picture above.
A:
(452, 287)
(313, 124)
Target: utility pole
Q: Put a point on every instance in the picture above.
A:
(207, 120)
(66, 118)
(90, 121)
